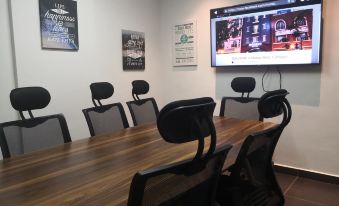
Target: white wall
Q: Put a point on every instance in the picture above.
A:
(311, 140)
(7, 80)
(7, 77)
(67, 75)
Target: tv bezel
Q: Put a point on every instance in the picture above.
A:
(267, 65)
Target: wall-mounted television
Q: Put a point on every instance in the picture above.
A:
(278, 32)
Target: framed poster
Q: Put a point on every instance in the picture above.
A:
(133, 50)
(185, 44)
(59, 24)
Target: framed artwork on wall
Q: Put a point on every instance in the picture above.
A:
(133, 50)
(185, 43)
(59, 24)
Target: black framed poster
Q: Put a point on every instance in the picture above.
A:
(133, 50)
(59, 24)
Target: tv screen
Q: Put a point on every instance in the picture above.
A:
(279, 32)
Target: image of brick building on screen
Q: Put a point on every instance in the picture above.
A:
(256, 34)
(229, 33)
(292, 31)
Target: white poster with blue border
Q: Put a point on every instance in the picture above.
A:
(59, 24)
(185, 43)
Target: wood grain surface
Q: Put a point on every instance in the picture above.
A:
(99, 170)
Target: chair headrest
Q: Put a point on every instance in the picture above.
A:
(140, 87)
(243, 84)
(271, 104)
(176, 121)
(29, 98)
(101, 90)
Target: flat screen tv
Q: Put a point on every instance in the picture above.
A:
(279, 32)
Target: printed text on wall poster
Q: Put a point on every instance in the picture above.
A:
(185, 44)
(133, 50)
(59, 24)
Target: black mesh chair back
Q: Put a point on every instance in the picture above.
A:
(26, 136)
(252, 180)
(191, 182)
(142, 110)
(36, 133)
(243, 107)
(103, 119)
(240, 108)
(170, 185)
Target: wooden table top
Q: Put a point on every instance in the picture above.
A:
(99, 170)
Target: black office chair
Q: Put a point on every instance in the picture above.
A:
(252, 181)
(192, 182)
(35, 133)
(244, 107)
(103, 119)
(142, 110)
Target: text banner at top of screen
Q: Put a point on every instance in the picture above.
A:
(260, 6)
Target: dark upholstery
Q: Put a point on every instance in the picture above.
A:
(244, 107)
(188, 120)
(243, 84)
(140, 87)
(171, 185)
(252, 180)
(100, 91)
(29, 98)
(270, 104)
(192, 182)
(104, 119)
(143, 111)
(175, 120)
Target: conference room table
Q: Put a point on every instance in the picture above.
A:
(99, 170)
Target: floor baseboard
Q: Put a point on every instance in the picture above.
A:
(307, 174)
